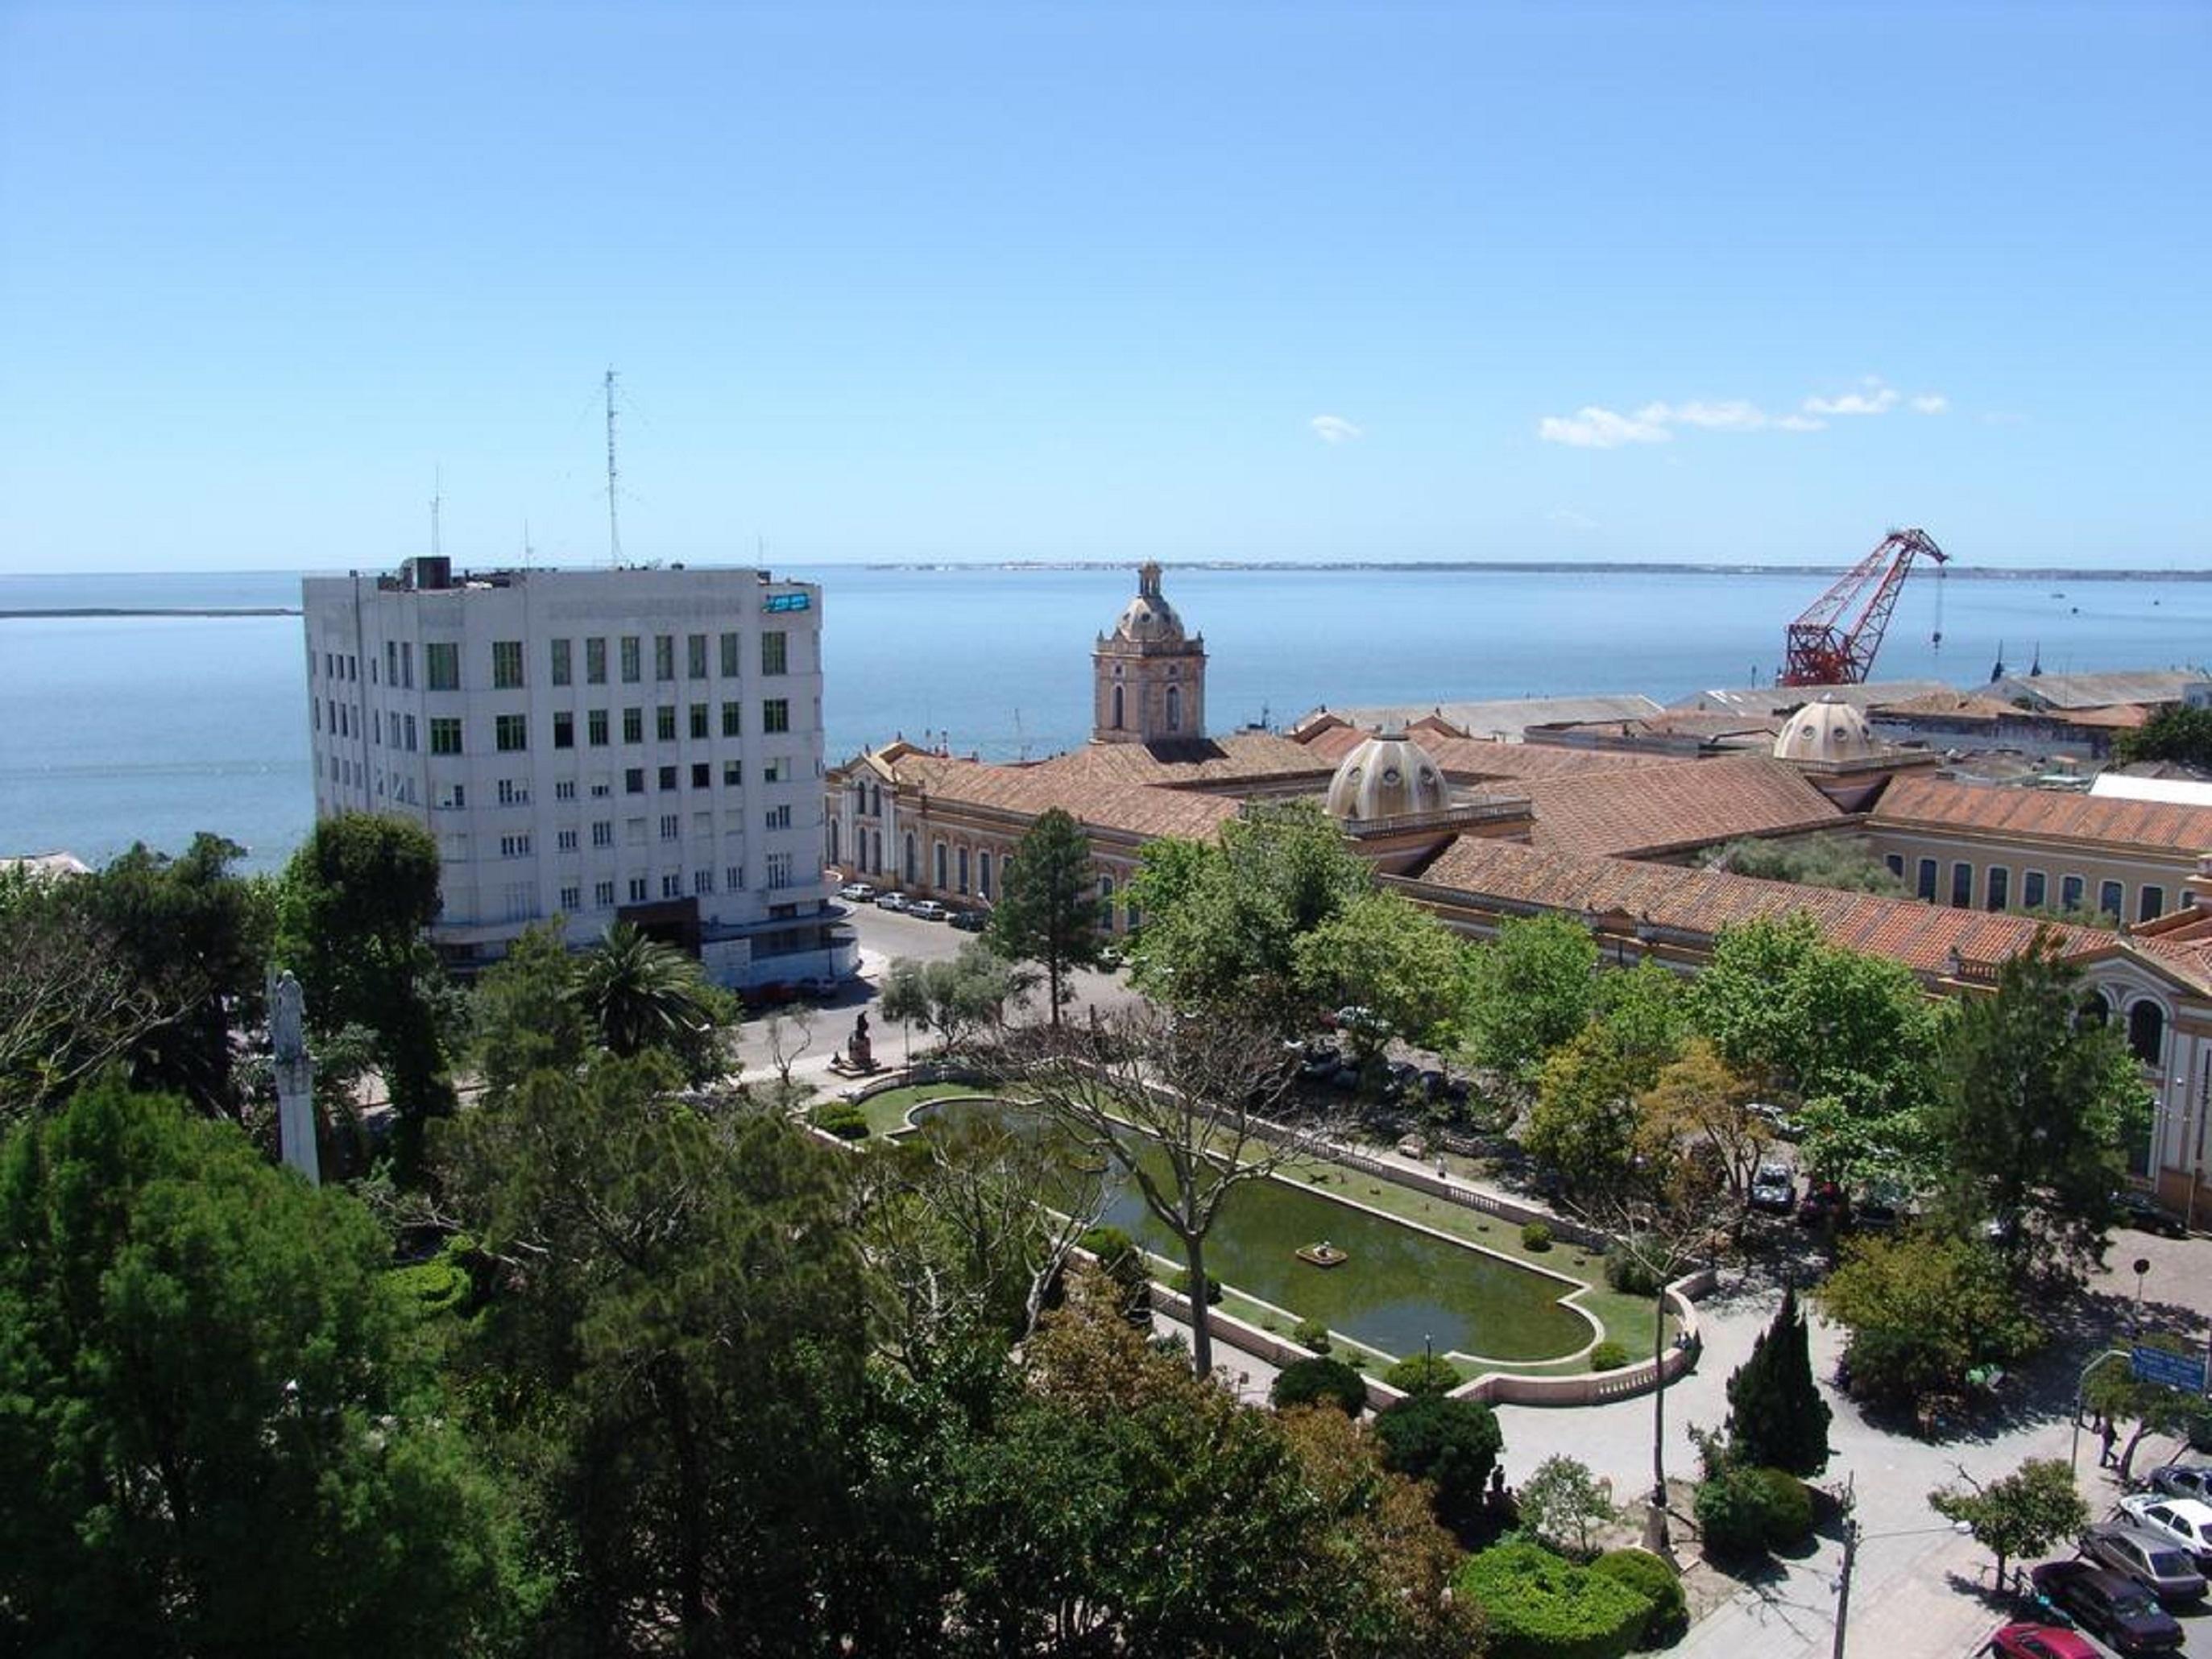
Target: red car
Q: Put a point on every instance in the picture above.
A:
(2040, 1642)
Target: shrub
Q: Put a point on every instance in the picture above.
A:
(1320, 1383)
(1658, 1583)
(1453, 1443)
(1423, 1373)
(1312, 1333)
(1608, 1356)
(1542, 1605)
(1121, 1261)
(1181, 1284)
(1785, 1507)
(439, 1285)
(845, 1121)
(1561, 1500)
(1625, 1271)
(1747, 1511)
(1536, 1235)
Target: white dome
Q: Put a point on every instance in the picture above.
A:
(1829, 731)
(1387, 776)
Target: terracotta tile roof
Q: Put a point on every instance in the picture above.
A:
(1471, 760)
(1687, 804)
(1191, 763)
(2123, 717)
(1702, 902)
(2048, 814)
(1136, 810)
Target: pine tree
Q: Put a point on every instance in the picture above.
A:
(1776, 1418)
(1050, 911)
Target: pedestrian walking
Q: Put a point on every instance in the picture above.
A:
(2106, 1435)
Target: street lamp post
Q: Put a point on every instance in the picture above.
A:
(2080, 1389)
(1852, 1538)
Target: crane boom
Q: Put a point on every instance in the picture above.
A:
(1822, 649)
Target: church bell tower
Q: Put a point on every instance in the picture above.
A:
(1148, 678)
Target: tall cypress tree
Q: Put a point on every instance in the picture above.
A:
(1050, 911)
(1776, 1418)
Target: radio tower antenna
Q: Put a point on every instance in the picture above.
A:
(614, 523)
(437, 502)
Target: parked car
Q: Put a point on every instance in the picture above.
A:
(890, 900)
(858, 892)
(2152, 1559)
(1357, 1017)
(1774, 1189)
(2143, 1211)
(2186, 1521)
(2040, 1642)
(971, 921)
(1785, 1127)
(2122, 1612)
(2184, 1480)
(1824, 1203)
(927, 910)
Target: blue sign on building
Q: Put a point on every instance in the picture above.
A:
(2172, 1371)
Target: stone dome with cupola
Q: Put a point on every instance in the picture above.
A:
(1829, 732)
(1387, 776)
(1149, 618)
(1148, 676)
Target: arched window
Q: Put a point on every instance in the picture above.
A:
(961, 863)
(983, 874)
(940, 882)
(1117, 709)
(913, 864)
(2146, 1031)
(834, 859)
(875, 801)
(1174, 709)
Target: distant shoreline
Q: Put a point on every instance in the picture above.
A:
(152, 610)
(1552, 566)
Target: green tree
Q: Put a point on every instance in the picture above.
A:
(1050, 911)
(1453, 1445)
(525, 1016)
(1589, 1122)
(1561, 1500)
(1542, 1606)
(1776, 1418)
(1223, 922)
(221, 1433)
(1700, 1100)
(2041, 1105)
(2112, 1389)
(1923, 1310)
(640, 995)
(2177, 734)
(1383, 952)
(351, 910)
(2023, 1513)
(953, 999)
(1530, 991)
(69, 1004)
(1844, 863)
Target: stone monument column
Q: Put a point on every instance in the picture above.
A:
(296, 1076)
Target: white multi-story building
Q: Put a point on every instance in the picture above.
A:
(633, 745)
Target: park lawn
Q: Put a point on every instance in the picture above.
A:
(886, 1113)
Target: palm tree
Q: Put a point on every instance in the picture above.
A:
(641, 993)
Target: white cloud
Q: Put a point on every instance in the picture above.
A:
(1931, 403)
(1335, 430)
(1567, 518)
(1876, 399)
(1601, 429)
(1735, 415)
(1800, 423)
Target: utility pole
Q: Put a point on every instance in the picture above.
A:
(1843, 1584)
(614, 523)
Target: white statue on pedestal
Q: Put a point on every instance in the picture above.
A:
(295, 1076)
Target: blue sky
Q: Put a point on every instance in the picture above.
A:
(1098, 282)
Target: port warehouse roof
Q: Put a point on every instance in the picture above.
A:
(2076, 691)
(1757, 700)
(1941, 804)
(1503, 719)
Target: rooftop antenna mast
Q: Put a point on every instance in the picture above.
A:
(437, 502)
(614, 523)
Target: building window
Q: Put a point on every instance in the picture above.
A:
(667, 777)
(444, 735)
(671, 886)
(779, 817)
(506, 665)
(407, 664)
(565, 840)
(937, 859)
(634, 780)
(960, 866)
(1895, 864)
(2031, 890)
(637, 890)
(1117, 709)
(564, 731)
(2150, 903)
(776, 769)
(779, 870)
(603, 832)
(1962, 886)
(663, 724)
(913, 868)
(734, 723)
(514, 847)
(564, 669)
(700, 724)
(633, 726)
(441, 665)
(2112, 899)
(631, 671)
(733, 877)
(775, 715)
(672, 825)
(512, 793)
(391, 662)
(983, 874)
(1174, 709)
(664, 656)
(733, 773)
(703, 774)
(2146, 1032)
(595, 727)
(775, 653)
(1999, 883)
(595, 666)
(729, 669)
(410, 733)
(572, 899)
(695, 656)
(2069, 892)
(511, 732)
(564, 789)
(603, 894)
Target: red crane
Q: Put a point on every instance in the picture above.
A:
(1822, 650)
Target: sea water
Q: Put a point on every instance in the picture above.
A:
(120, 729)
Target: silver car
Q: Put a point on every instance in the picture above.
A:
(2153, 1560)
(2183, 1522)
